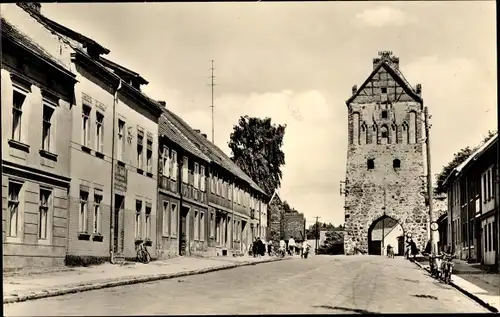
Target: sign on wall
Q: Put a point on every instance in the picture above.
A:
(121, 178)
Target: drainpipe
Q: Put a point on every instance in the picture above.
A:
(179, 211)
(467, 209)
(112, 198)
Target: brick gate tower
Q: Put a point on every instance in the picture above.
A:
(384, 185)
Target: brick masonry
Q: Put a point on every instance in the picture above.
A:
(384, 125)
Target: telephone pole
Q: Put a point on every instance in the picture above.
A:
(383, 224)
(317, 235)
(212, 106)
(430, 194)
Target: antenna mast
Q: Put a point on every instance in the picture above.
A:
(212, 106)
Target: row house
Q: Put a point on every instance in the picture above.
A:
(36, 101)
(182, 224)
(235, 204)
(112, 144)
(473, 206)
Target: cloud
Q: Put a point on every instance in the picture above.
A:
(384, 16)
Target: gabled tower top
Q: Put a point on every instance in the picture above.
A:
(388, 57)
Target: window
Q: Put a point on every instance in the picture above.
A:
(121, 141)
(396, 163)
(384, 90)
(166, 162)
(48, 111)
(148, 221)
(244, 199)
(212, 225)
(13, 204)
(173, 220)
(97, 213)
(196, 225)
(212, 183)
(196, 182)
(216, 183)
(149, 156)
(173, 174)
(17, 113)
(185, 170)
(139, 150)
(490, 240)
(138, 209)
(82, 216)
(229, 192)
(371, 164)
(202, 178)
(99, 132)
(485, 233)
(43, 214)
(165, 218)
(202, 226)
(85, 125)
(488, 183)
(223, 189)
(384, 114)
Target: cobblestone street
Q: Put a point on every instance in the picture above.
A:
(320, 284)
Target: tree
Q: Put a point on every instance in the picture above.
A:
(256, 148)
(458, 158)
(333, 244)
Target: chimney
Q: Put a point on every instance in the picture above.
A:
(419, 89)
(163, 103)
(204, 135)
(196, 130)
(34, 6)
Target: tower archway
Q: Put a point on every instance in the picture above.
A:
(385, 231)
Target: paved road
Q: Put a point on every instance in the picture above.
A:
(321, 284)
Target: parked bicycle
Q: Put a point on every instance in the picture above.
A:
(143, 255)
(447, 268)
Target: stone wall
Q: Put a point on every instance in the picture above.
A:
(294, 226)
(386, 128)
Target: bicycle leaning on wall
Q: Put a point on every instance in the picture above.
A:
(143, 255)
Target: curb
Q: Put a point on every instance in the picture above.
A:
(465, 292)
(127, 281)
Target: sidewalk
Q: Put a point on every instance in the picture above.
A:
(473, 280)
(22, 287)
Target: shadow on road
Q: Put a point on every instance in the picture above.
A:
(425, 296)
(355, 310)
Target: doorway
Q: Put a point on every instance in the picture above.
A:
(184, 237)
(119, 207)
(488, 244)
(383, 232)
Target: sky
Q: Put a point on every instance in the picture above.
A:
(296, 62)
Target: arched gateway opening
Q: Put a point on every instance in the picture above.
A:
(383, 232)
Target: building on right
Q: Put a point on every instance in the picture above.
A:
(472, 205)
(384, 185)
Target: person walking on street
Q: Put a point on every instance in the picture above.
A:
(291, 246)
(269, 247)
(282, 246)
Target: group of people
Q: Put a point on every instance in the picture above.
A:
(260, 247)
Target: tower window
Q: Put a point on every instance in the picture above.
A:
(396, 163)
(384, 134)
(371, 164)
(384, 90)
(384, 114)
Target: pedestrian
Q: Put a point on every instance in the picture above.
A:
(282, 246)
(414, 249)
(255, 248)
(291, 246)
(269, 247)
(261, 247)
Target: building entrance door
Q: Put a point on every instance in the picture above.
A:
(487, 243)
(184, 236)
(117, 234)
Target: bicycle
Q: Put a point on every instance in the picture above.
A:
(143, 255)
